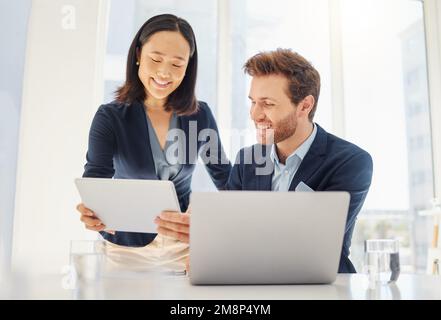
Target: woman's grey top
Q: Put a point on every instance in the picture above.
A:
(165, 170)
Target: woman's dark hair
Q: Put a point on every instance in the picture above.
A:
(182, 100)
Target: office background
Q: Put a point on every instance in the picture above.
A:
(379, 62)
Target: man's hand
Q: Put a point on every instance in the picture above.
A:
(174, 224)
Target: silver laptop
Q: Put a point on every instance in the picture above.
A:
(263, 237)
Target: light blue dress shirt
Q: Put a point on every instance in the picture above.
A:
(284, 173)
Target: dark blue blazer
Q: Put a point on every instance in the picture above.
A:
(119, 147)
(331, 164)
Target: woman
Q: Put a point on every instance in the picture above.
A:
(128, 137)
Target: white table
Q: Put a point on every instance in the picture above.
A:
(144, 286)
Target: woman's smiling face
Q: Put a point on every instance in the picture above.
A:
(163, 61)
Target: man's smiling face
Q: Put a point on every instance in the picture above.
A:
(272, 111)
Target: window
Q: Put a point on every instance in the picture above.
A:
(386, 103)
(256, 27)
(385, 99)
(15, 15)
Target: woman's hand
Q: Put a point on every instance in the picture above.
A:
(91, 222)
(174, 224)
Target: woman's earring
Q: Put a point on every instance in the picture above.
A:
(137, 63)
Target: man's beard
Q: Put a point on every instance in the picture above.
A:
(281, 130)
(285, 128)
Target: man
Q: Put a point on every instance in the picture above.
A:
(284, 92)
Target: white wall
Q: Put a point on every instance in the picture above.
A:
(62, 89)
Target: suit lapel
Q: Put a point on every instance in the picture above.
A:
(313, 159)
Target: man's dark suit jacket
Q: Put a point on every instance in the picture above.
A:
(331, 164)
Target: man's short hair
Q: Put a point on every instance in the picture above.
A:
(303, 78)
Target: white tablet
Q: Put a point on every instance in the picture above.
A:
(127, 204)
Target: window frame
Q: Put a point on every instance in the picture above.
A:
(432, 16)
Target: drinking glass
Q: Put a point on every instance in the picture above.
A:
(382, 260)
(87, 259)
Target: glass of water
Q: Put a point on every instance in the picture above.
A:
(87, 259)
(382, 260)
